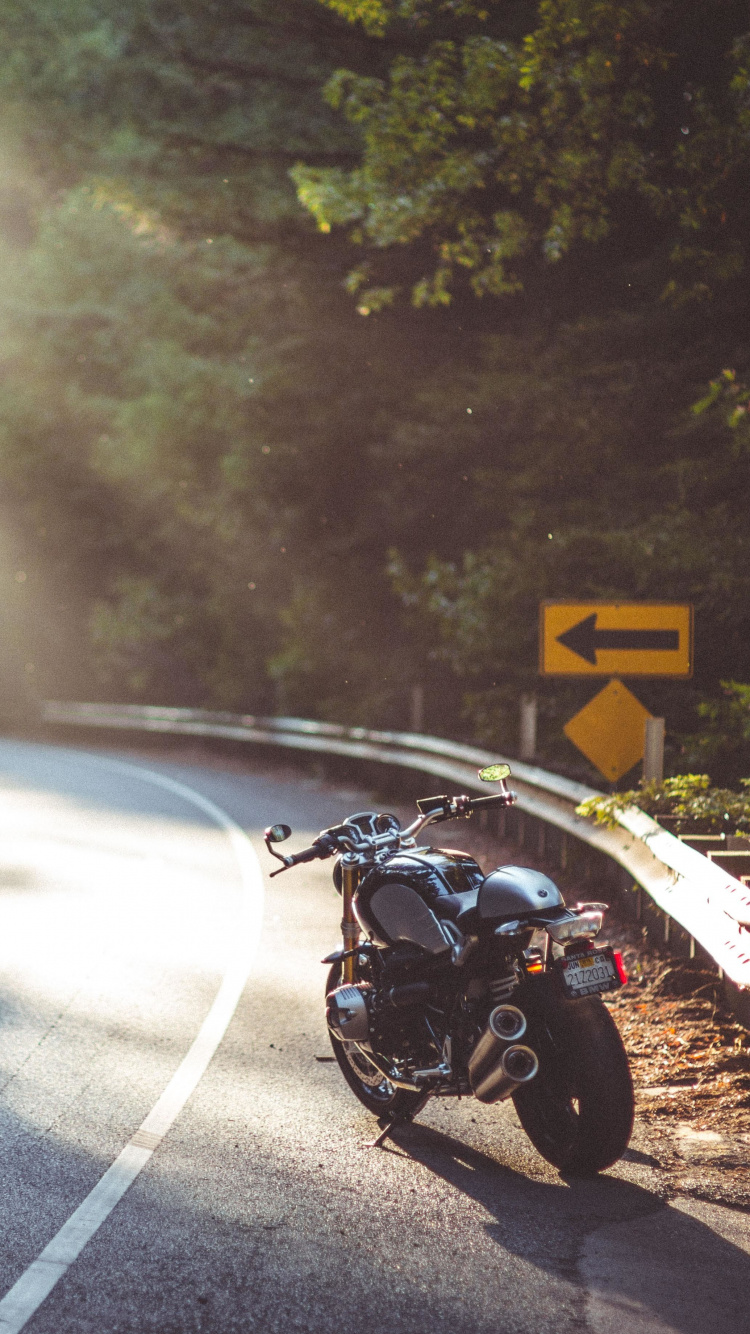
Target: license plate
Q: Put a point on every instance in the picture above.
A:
(589, 974)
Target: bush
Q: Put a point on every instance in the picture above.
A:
(688, 801)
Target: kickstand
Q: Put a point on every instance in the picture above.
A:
(397, 1121)
(380, 1139)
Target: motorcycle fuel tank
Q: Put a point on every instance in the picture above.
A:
(400, 900)
(405, 898)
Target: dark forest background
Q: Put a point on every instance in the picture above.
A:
(296, 443)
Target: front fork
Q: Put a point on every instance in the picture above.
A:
(349, 923)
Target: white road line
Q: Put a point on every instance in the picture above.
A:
(36, 1283)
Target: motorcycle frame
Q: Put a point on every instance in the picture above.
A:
(350, 875)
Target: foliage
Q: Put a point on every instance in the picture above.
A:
(585, 481)
(724, 737)
(486, 149)
(127, 422)
(206, 454)
(199, 107)
(729, 396)
(690, 802)
(180, 390)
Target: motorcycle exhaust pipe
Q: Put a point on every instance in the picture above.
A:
(506, 1024)
(516, 1066)
(498, 1063)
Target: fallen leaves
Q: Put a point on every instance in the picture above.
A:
(690, 1058)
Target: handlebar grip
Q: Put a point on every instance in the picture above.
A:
(497, 799)
(317, 851)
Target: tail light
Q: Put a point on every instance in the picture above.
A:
(586, 924)
(620, 966)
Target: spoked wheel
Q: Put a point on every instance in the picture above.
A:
(578, 1111)
(367, 1083)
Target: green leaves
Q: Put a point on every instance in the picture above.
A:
(132, 402)
(689, 801)
(376, 15)
(728, 395)
(592, 111)
(205, 430)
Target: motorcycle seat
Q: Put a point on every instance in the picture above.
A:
(457, 907)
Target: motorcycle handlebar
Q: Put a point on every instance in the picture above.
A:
(326, 845)
(435, 810)
(497, 799)
(320, 849)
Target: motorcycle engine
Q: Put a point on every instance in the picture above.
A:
(373, 1018)
(348, 1014)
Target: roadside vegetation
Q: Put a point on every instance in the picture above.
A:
(688, 802)
(334, 336)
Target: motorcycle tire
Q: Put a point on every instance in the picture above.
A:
(578, 1111)
(375, 1092)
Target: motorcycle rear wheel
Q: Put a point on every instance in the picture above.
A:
(578, 1111)
(375, 1092)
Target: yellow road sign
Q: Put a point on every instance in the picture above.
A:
(616, 639)
(610, 730)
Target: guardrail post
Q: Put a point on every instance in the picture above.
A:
(416, 712)
(527, 740)
(653, 750)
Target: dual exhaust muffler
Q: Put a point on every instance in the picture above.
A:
(499, 1063)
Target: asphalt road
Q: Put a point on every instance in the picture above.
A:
(124, 902)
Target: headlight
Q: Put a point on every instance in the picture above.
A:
(587, 922)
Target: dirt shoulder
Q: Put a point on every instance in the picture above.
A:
(691, 1070)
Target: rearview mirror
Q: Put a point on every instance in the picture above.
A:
(277, 833)
(495, 773)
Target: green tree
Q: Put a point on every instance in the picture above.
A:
(206, 452)
(201, 107)
(188, 406)
(593, 480)
(132, 435)
(581, 160)
(502, 136)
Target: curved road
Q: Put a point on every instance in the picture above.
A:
(129, 914)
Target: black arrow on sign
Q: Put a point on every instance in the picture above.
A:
(585, 640)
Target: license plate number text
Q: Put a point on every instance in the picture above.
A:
(590, 974)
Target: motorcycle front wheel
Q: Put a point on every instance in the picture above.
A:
(367, 1083)
(578, 1111)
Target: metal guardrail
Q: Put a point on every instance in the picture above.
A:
(710, 905)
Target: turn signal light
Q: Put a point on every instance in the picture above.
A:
(533, 961)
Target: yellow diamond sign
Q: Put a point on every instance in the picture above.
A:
(609, 730)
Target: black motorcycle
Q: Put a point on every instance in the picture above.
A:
(451, 983)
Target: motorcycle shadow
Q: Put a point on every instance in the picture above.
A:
(642, 1258)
